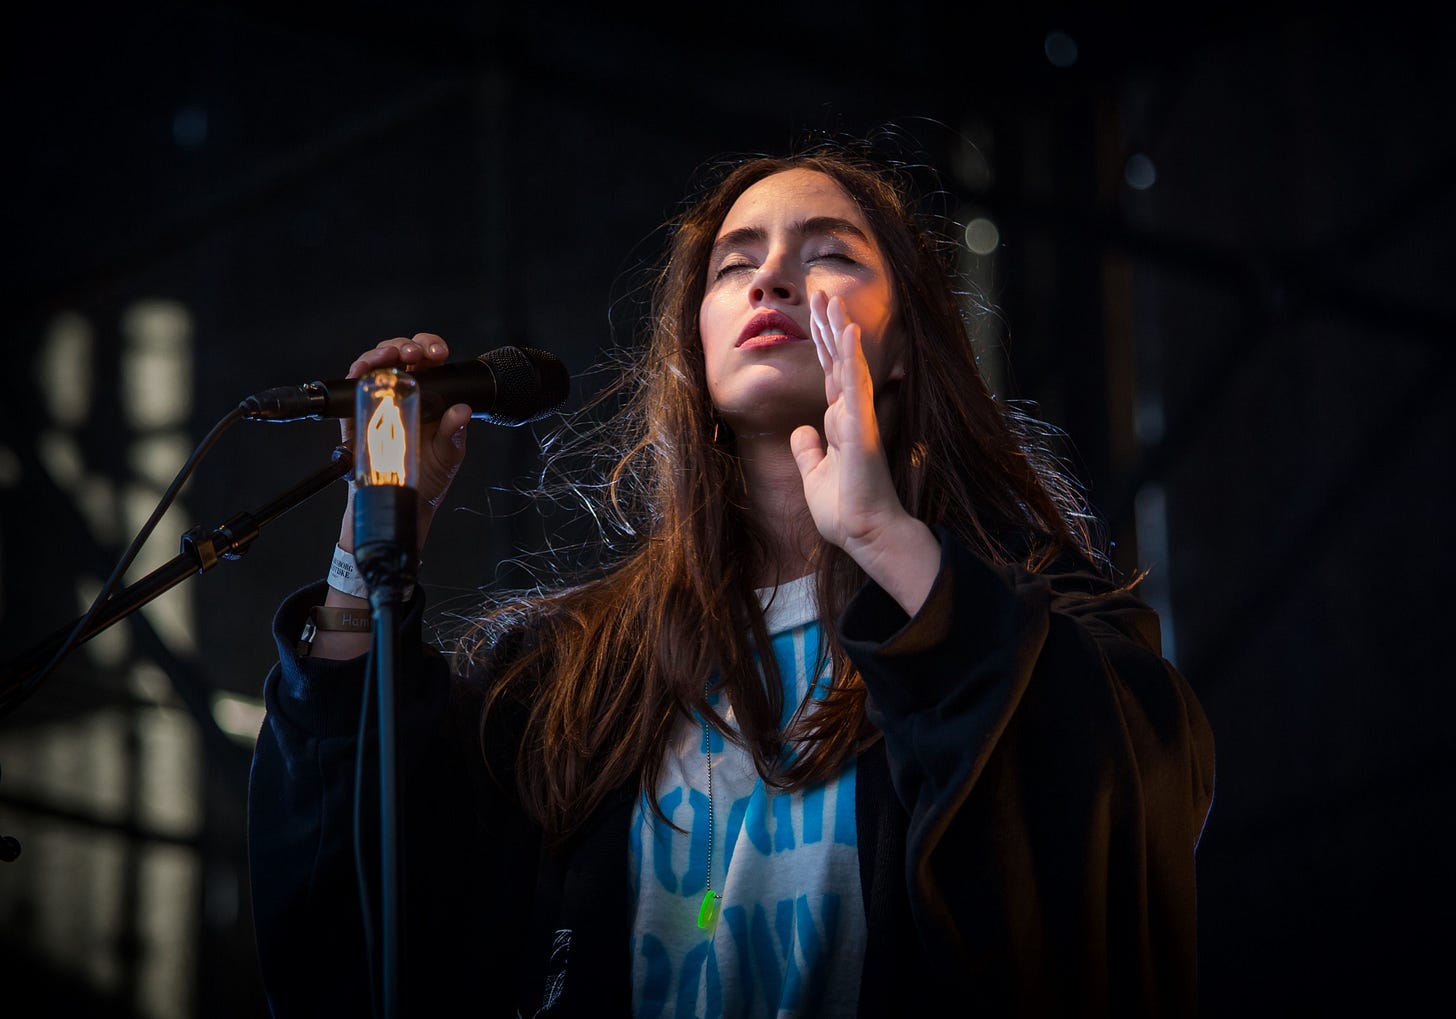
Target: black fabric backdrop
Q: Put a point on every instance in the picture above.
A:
(1254, 350)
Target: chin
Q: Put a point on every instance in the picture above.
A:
(770, 400)
(779, 417)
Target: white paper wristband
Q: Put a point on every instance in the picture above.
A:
(344, 576)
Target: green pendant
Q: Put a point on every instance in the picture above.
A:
(708, 911)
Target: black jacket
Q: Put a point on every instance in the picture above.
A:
(1027, 825)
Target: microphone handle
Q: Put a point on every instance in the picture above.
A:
(471, 382)
(509, 386)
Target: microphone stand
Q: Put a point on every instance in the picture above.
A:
(201, 551)
(384, 550)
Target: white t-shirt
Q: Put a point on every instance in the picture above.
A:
(789, 939)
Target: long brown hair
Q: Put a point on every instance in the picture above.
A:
(598, 671)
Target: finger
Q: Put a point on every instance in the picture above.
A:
(384, 355)
(855, 373)
(820, 310)
(433, 349)
(409, 351)
(848, 343)
(829, 359)
(837, 315)
(413, 351)
(818, 301)
(816, 332)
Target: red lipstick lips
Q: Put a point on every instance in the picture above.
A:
(768, 328)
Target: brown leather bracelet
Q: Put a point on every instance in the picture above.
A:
(332, 618)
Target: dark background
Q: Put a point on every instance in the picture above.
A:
(1250, 350)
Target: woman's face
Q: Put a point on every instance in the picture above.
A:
(786, 237)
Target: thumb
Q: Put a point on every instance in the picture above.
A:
(449, 441)
(441, 458)
(808, 449)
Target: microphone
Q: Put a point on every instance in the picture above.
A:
(507, 386)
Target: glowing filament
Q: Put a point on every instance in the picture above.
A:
(385, 440)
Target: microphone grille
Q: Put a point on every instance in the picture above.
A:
(529, 384)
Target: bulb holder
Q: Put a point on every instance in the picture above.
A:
(384, 539)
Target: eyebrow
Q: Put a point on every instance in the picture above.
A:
(805, 227)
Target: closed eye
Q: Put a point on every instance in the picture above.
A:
(731, 267)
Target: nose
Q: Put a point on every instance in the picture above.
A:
(771, 280)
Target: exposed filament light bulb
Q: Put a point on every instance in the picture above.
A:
(387, 420)
(386, 471)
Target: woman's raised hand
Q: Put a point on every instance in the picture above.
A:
(846, 477)
(442, 443)
(846, 474)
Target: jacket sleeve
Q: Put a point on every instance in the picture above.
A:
(1056, 772)
(462, 851)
